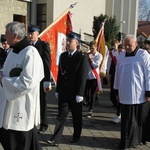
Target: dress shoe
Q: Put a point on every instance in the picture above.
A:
(52, 142)
(75, 141)
(42, 129)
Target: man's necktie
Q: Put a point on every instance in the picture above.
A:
(70, 55)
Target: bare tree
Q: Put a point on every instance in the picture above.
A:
(144, 10)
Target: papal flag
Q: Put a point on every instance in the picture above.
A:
(55, 35)
(100, 39)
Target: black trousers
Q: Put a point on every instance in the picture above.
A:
(90, 93)
(63, 109)
(43, 106)
(118, 113)
(20, 140)
(113, 92)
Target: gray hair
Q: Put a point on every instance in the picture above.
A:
(131, 36)
(17, 28)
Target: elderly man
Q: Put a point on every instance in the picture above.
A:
(19, 92)
(132, 80)
(71, 82)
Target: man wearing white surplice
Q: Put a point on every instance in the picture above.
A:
(132, 84)
(19, 92)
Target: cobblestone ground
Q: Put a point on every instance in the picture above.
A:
(99, 132)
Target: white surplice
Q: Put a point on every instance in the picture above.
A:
(19, 96)
(132, 77)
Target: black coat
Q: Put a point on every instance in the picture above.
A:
(3, 56)
(72, 75)
(44, 51)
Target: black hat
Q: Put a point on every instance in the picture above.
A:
(33, 28)
(3, 38)
(73, 35)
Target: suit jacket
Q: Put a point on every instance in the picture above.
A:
(44, 51)
(72, 75)
(2, 57)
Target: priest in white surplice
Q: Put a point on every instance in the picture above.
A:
(19, 92)
(132, 80)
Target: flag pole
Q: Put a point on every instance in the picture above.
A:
(70, 7)
(101, 25)
(101, 47)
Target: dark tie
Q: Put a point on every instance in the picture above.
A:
(70, 55)
(32, 44)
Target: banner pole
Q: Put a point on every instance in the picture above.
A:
(101, 25)
(54, 22)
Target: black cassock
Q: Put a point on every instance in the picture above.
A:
(24, 140)
(132, 124)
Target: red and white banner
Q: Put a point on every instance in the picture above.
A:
(55, 35)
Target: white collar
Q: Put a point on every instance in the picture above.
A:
(71, 52)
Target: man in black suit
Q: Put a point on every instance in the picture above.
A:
(71, 82)
(4, 51)
(44, 51)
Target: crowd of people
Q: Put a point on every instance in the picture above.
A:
(24, 86)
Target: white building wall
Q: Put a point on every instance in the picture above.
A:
(134, 16)
(126, 16)
(110, 7)
(126, 12)
(83, 13)
(50, 12)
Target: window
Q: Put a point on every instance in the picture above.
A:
(19, 18)
(41, 16)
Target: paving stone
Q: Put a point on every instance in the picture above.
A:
(99, 132)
